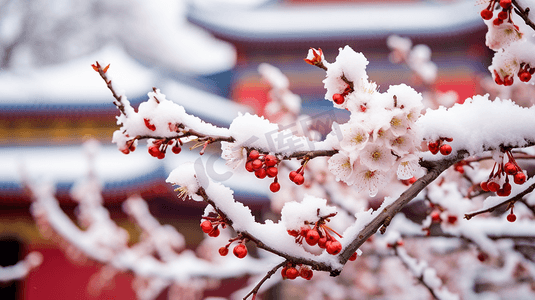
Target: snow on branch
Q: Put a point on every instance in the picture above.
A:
(22, 268)
(158, 260)
(426, 275)
(383, 137)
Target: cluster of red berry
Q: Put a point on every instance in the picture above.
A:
(211, 224)
(129, 146)
(436, 217)
(159, 147)
(436, 146)
(240, 250)
(292, 271)
(264, 165)
(504, 169)
(298, 177)
(341, 98)
(318, 235)
(504, 14)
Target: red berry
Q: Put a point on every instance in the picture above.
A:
(254, 154)
(312, 237)
(161, 155)
(511, 217)
(303, 231)
(292, 273)
(270, 160)
(508, 80)
(520, 178)
(507, 186)
(503, 192)
(353, 257)
(510, 168)
(338, 99)
(283, 272)
(505, 4)
(292, 175)
(214, 233)
(154, 150)
(260, 173)
(257, 164)
(322, 242)
(493, 186)
(299, 179)
(497, 22)
(249, 166)
(176, 149)
(484, 186)
(433, 147)
(149, 125)
(452, 219)
(435, 217)
(223, 251)
(274, 187)
(240, 251)
(486, 14)
(503, 15)
(206, 226)
(445, 149)
(272, 171)
(125, 150)
(306, 273)
(293, 233)
(482, 256)
(524, 76)
(333, 247)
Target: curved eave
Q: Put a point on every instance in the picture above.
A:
(300, 23)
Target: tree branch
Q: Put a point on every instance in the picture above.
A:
(523, 13)
(517, 197)
(254, 291)
(435, 168)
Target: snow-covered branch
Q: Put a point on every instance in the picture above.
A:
(22, 268)
(426, 275)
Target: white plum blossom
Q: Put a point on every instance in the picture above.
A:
(381, 130)
(341, 167)
(370, 180)
(408, 166)
(235, 155)
(355, 136)
(377, 157)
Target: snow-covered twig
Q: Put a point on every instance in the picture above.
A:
(426, 276)
(22, 268)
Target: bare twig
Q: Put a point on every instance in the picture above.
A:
(523, 13)
(254, 291)
(118, 98)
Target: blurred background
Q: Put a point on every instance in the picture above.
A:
(204, 55)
